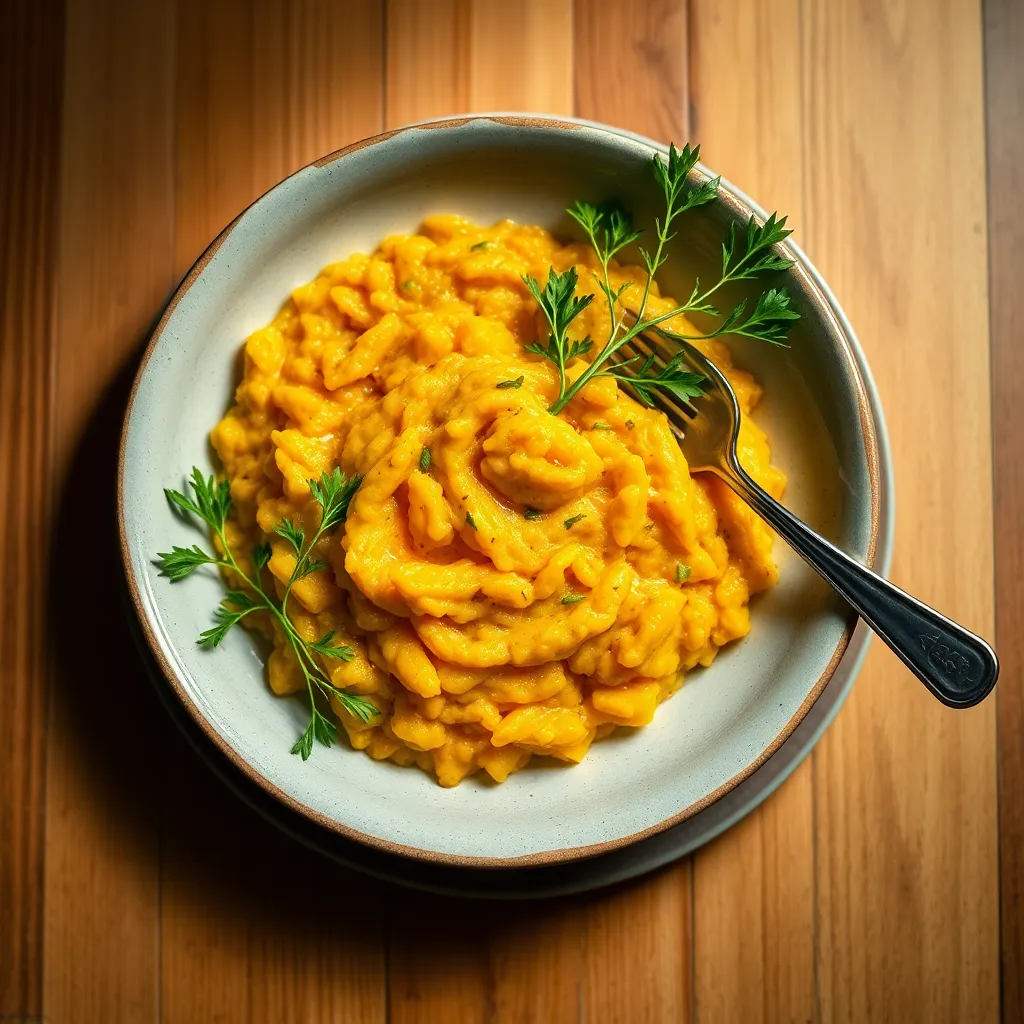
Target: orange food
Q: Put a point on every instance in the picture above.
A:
(536, 580)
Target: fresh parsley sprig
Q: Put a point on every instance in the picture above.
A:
(609, 230)
(211, 503)
(561, 306)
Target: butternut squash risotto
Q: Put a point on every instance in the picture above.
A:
(512, 582)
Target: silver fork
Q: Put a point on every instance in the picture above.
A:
(958, 667)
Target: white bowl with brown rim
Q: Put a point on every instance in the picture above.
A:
(724, 723)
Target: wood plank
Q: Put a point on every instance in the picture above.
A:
(631, 65)
(637, 944)
(451, 56)
(906, 789)
(255, 927)
(631, 71)
(1004, 99)
(102, 865)
(515, 963)
(753, 887)
(30, 85)
(428, 67)
(520, 56)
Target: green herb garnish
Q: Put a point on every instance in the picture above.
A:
(517, 383)
(682, 572)
(601, 425)
(610, 230)
(560, 306)
(211, 504)
(479, 245)
(532, 513)
(470, 521)
(425, 459)
(573, 520)
(573, 598)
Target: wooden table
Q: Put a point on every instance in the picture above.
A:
(134, 887)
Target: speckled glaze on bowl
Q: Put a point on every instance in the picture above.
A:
(724, 723)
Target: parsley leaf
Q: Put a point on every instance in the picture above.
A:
(560, 306)
(425, 459)
(328, 649)
(291, 533)
(321, 729)
(224, 618)
(178, 563)
(363, 709)
(680, 383)
(260, 557)
(333, 492)
(517, 383)
(573, 520)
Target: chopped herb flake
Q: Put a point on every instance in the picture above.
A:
(573, 598)
(425, 459)
(517, 383)
(573, 520)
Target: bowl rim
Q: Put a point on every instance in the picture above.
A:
(739, 205)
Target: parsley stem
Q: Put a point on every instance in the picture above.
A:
(301, 562)
(297, 648)
(655, 263)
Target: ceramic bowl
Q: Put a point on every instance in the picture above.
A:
(724, 723)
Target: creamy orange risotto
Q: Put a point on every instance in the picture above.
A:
(512, 582)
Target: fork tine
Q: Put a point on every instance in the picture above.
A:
(678, 413)
(693, 357)
(646, 346)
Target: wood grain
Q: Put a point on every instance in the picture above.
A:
(134, 887)
(631, 65)
(428, 73)
(30, 100)
(254, 927)
(114, 267)
(1004, 96)
(451, 56)
(905, 790)
(753, 887)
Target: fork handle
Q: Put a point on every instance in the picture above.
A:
(957, 666)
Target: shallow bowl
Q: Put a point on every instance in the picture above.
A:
(724, 723)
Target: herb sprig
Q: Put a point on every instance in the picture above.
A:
(211, 503)
(609, 230)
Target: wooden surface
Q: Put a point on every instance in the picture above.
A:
(134, 887)
(1004, 93)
